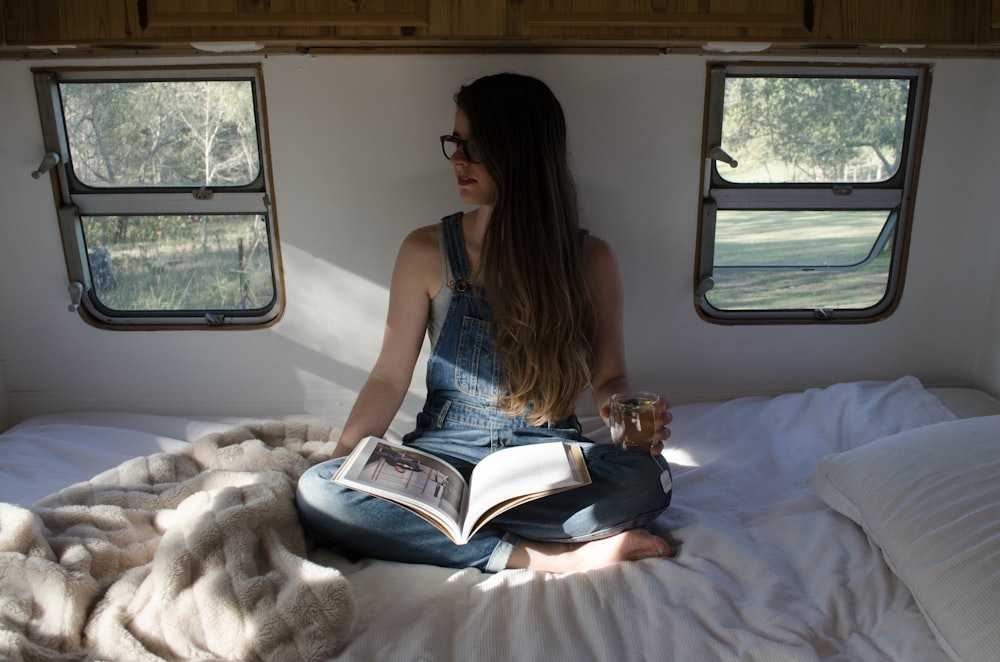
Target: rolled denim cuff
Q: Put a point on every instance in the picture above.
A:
(501, 553)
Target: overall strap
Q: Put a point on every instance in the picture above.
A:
(451, 227)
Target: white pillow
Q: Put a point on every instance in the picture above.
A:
(930, 499)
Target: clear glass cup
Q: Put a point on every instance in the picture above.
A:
(633, 420)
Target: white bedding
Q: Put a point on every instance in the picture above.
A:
(766, 570)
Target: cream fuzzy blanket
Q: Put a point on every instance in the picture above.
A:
(189, 555)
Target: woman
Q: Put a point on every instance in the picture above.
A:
(524, 312)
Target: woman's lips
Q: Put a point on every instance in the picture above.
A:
(465, 181)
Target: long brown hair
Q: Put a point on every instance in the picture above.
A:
(531, 262)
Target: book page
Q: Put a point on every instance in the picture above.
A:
(513, 476)
(417, 480)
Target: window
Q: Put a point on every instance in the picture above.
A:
(164, 195)
(808, 190)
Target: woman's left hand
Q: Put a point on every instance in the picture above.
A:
(663, 419)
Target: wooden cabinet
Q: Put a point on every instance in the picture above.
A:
(284, 13)
(930, 22)
(807, 22)
(138, 22)
(667, 21)
(666, 13)
(307, 21)
(46, 22)
(316, 25)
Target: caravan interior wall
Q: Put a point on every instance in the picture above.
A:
(357, 165)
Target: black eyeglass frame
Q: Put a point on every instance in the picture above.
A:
(459, 143)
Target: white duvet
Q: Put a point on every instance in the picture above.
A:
(765, 570)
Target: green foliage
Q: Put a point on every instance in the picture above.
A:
(161, 133)
(816, 129)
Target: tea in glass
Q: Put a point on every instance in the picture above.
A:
(633, 420)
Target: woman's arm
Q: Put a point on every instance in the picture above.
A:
(609, 374)
(416, 277)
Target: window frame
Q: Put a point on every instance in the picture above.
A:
(75, 199)
(894, 195)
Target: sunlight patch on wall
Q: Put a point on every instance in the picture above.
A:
(335, 320)
(332, 311)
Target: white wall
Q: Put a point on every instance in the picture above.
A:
(357, 165)
(986, 145)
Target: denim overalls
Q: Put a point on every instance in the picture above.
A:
(461, 423)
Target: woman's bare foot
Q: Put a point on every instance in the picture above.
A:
(630, 545)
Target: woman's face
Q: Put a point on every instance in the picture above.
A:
(474, 184)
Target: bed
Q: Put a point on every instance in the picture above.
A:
(855, 522)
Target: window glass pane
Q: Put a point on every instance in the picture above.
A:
(161, 133)
(769, 260)
(813, 130)
(795, 238)
(180, 263)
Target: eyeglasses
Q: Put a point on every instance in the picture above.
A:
(451, 144)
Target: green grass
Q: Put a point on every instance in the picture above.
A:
(798, 260)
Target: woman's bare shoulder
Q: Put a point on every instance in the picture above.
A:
(423, 236)
(421, 243)
(419, 258)
(598, 254)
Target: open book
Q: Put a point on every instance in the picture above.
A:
(438, 492)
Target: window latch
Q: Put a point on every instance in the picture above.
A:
(202, 193)
(48, 162)
(704, 285)
(719, 154)
(75, 295)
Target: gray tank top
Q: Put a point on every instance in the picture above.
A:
(441, 300)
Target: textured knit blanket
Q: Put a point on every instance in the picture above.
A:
(196, 554)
